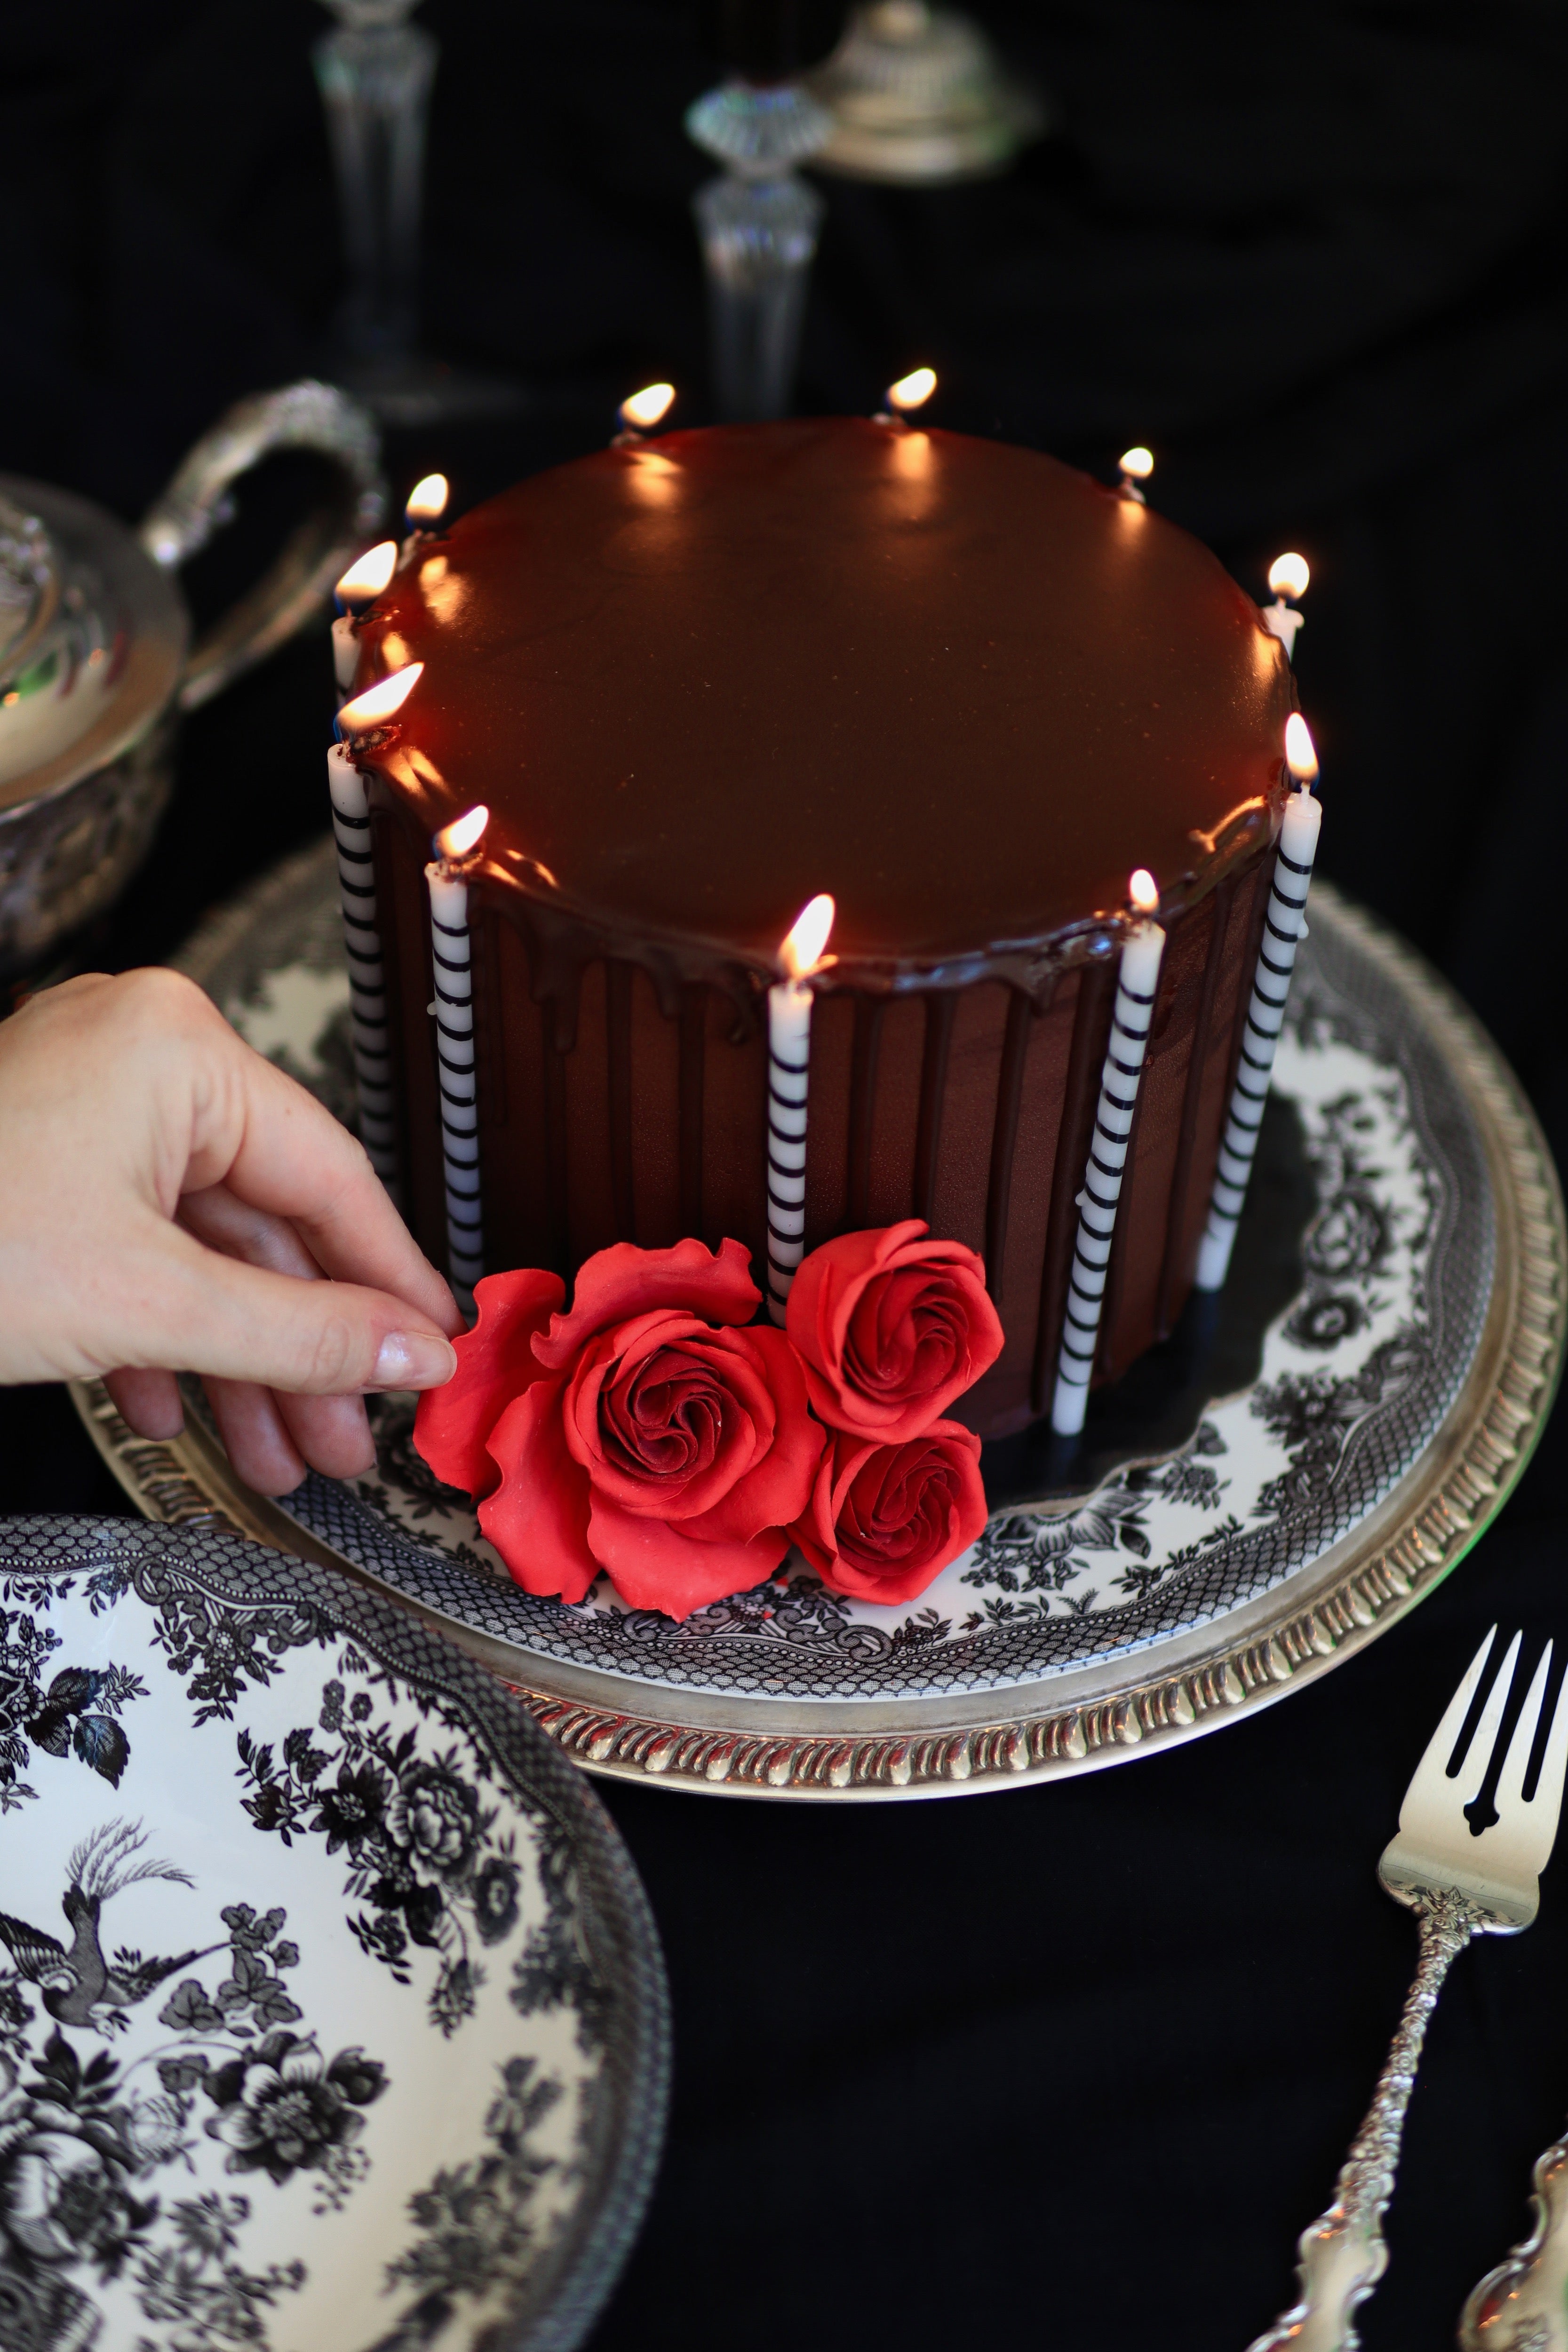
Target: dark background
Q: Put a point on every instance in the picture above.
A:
(1075, 2063)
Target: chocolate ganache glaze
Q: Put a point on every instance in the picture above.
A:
(959, 685)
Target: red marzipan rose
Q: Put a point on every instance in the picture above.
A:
(652, 1437)
(891, 1326)
(495, 1360)
(885, 1521)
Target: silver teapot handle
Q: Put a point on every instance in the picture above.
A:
(305, 415)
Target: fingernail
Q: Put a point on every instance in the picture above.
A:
(413, 1360)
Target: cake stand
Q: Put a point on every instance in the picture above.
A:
(1209, 1559)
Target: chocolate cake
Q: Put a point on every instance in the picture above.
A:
(962, 687)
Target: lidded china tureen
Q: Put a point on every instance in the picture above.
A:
(96, 658)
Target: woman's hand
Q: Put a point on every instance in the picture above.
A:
(170, 1202)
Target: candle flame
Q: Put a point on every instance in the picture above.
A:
(427, 502)
(1138, 463)
(382, 700)
(1143, 891)
(912, 390)
(641, 411)
(456, 840)
(1300, 757)
(368, 574)
(1289, 575)
(800, 951)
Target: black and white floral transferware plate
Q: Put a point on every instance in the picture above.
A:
(331, 2013)
(1397, 1379)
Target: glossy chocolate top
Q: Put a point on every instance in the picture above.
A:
(959, 685)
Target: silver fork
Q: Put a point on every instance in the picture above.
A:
(1458, 1885)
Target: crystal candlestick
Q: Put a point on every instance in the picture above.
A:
(759, 224)
(374, 73)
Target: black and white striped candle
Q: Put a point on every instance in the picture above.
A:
(1284, 928)
(1288, 576)
(452, 956)
(789, 1073)
(1132, 1017)
(367, 978)
(362, 937)
(355, 593)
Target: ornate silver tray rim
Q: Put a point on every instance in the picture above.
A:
(1077, 1718)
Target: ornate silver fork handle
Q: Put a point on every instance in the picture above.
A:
(1343, 2252)
(1523, 2305)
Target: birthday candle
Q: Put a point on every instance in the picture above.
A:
(1284, 930)
(1132, 1017)
(1288, 576)
(789, 1067)
(1137, 465)
(355, 593)
(362, 936)
(451, 949)
(367, 978)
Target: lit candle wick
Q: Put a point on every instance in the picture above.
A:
(454, 841)
(426, 502)
(640, 412)
(1137, 464)
(365, 578)
(911, 391)
(378, 703)
(1300, 752)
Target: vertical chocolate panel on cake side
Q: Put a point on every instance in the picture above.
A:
(613, 1108)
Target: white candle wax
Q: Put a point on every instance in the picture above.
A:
(1284, 930)
(454, 1013)
(345, 652)
(367, 979)
(1282, 621)
(1137, 985)
(789, 1062)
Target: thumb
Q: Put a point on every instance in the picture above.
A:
(205, 1312)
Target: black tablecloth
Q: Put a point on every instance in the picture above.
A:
(1073, 2062)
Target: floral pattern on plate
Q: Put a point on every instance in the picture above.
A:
(333, 2014)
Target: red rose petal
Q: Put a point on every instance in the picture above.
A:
(658, 1567)
(777, 1488)
(495, 1362)
(538, 1517)
(623, 1281)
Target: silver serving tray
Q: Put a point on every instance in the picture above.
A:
(1401, 1386)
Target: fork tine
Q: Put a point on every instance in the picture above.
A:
(1429, 1782)
(1478, 1755)
(1540, 1815)
(1516, 1764)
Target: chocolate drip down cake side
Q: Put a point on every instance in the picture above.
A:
(958, 687)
